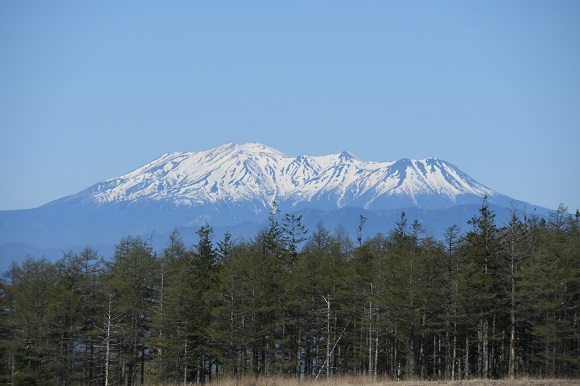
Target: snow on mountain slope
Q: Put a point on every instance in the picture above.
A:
(231, 187)
(253, 172)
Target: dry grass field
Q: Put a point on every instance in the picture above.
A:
(361, 381)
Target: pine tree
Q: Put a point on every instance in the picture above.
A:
(228, 319)
(305, 302)
(551, 297)
(132, 280)
(8, 325)
(293, 234)
(172, 311)
(520, 243)
(205, 279)
(495, 302)
(489, 288)
(449, 263)
(368, 264)
(404, 279)
(318, 284)
(32, 286)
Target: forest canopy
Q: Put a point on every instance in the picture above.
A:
(491, 301)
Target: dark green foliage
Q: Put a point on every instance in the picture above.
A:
(174, 304)
(31, 287)
(500, 300)
(294, 233)
(132, 280)
(551, 288)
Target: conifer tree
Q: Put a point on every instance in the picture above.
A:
(172, 315)
(306, 299)
(404, 278)
(493, 302)
(317, 286)
(448, 265)
(520, 244)
(368, 264)
(133, 280)
(6, 338)
(487, 275)
(32, 285)
(205, 280)
(229, 311)
(294, 233)
(551, 293)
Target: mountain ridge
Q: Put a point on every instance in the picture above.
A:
(256, 172)
(232, 187)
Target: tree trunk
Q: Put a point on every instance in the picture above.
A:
(454, 358)
(485, 349)
(327, 300)
(108, 342)
(512, 357)
(466, 364)
(185, 364)
(142, 364)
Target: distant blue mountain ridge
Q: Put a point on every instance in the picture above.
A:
(232, 188)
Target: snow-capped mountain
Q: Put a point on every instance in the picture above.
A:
(232, 187)
(257, 174)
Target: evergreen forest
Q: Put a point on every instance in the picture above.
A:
(487, 301)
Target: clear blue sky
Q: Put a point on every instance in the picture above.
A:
(93, 90)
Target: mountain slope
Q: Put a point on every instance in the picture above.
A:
(232, 184)
(255, 173)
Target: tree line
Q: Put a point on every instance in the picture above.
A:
(493, 301)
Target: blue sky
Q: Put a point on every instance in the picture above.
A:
(93, 90)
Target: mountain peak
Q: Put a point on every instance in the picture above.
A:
(255, 174)
(255, 147)
(250, 147)
(234, 185)
(347, 156)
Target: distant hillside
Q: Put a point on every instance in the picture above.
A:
(232, 187)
